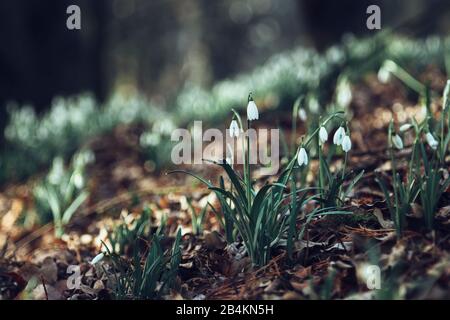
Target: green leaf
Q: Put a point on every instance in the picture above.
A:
(74, 206)
(235, 181)
(207, 183)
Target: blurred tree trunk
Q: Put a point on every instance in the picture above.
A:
(40, 58)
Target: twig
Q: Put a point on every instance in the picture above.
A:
(45, 288)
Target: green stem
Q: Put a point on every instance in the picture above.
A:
(248, 182)
(308, 141)
(343, 177)
(397, 217)
(321, 173)
(407, 78)
(395, 186)
(238, 117)
(294, 124)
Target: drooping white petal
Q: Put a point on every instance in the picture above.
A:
(302, 114)
(305, 156)
(397, 141)
(234, 129)
(405, 127)
(339, 136)
(346, 144)
(252, 111)
(98, 258)
(344, 94)
(302, 158)
(78, 179)
(323, 135)
(383, 75)
(432, 142)
(313, 105)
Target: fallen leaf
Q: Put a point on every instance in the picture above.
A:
(28, 271)
(444, 215)
(291, 295)
(214, 241)
(50, 292)
(385, 224)
(49, 270)
(416, 211)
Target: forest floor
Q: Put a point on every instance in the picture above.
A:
(328, 263)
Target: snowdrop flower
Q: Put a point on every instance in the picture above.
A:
(323, 135)
(302, 114)
(384, 74)
(313, 105)
(346, 144)
(78, 180)
(344, 94)
(339, 136)
(405, 127)
(432, 142)
(252, 111)
(397, 141)
(98, 258)
(302, 158)
(234, 129)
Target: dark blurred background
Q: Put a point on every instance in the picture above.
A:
(156, 46)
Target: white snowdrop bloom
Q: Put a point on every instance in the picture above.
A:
(302, 114)
(346, 144)
(323, 135)
(252, 111)
(78, 180)
(432, 142)
(302, 158)
(234, 129)
(339, 136)
(313, 105)
(405, 127)
(383, 75)
(98, 258)
(397, 141)
(344, 94)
